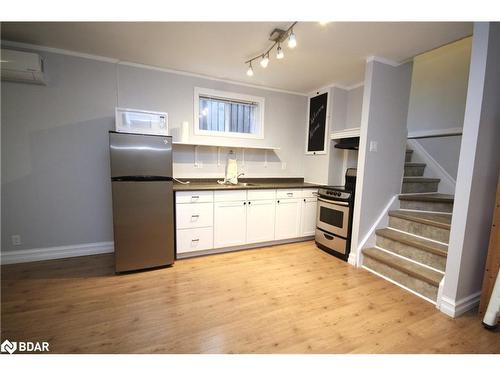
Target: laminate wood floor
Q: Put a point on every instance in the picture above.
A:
(285, 299)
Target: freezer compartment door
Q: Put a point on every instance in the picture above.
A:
(143, 224)
(140, 155)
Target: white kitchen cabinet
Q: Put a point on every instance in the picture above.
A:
(194, 239)
(230, 223)
(260, 220)
(194, 215)
(308, 216)
(287, 221)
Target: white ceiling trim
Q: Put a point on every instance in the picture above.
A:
(383, 60)
(60, 51)
(335, 85)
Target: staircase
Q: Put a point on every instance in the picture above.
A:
(412, 251)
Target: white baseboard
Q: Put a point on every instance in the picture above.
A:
(58, 252)
(456, 308)
(447, 184)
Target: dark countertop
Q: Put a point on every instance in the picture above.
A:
(256, 183)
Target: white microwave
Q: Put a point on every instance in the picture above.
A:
(141, 122)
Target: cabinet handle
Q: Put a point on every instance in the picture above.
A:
(244, 203)
(315, 194)
(195, 240)
(278, 201)
(304, 199)
(195, 197)
(195, 216)
(289, 194)
(249, 202)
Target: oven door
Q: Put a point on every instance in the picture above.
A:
(333, 217)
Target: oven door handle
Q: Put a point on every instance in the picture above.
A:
(338, 203)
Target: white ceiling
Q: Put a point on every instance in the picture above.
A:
(334, 53)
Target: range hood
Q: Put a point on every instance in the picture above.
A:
(348, 143)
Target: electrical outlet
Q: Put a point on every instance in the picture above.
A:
(199, 165)
(16, 239)
(373, 146)
(283, 165)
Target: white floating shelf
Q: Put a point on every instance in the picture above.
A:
(268, 148)
(346, 133)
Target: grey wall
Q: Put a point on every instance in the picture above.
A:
(477, 172)
(445, 150)
(55, 162)
(385, 109)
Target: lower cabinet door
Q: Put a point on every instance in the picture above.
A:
(260, 220)
(229, 223)
(308, 217)
(287, 218)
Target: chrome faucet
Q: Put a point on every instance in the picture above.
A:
(240, 174)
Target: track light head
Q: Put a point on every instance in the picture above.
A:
(265, 61)
(279, 52)
(292, 40)
(250, 70)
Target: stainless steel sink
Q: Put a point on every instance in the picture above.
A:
(241, 184)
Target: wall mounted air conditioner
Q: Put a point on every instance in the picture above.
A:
(21, 66)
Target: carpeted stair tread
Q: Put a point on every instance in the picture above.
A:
(414, 270)
(414, 241)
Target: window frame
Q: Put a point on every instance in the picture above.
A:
(227, 95)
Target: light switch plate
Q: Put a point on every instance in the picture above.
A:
(373, 146)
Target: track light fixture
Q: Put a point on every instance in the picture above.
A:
(278, 37)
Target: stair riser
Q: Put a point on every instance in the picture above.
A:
(420, 187)
(427, 206)
(417, 285)
(408, 157)
(424, 230)
(411, 252)
(414, 171)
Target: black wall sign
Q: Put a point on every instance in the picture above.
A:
(317, 123)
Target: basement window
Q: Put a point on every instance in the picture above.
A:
(228, 114)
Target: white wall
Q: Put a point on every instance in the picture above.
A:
(439, 88)
(383, 120)
(344, 113)
(354, 105)
(285, 119)
(55, 159)
(477, 175)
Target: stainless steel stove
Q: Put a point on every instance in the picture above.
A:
(334, 216)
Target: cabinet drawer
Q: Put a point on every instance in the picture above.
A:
(259, 194)
(288, 193)
(194, 239)
(309, 193)
(194, 196)
(230, 196)
(194, 215)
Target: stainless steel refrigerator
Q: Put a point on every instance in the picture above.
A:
(143, 215)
